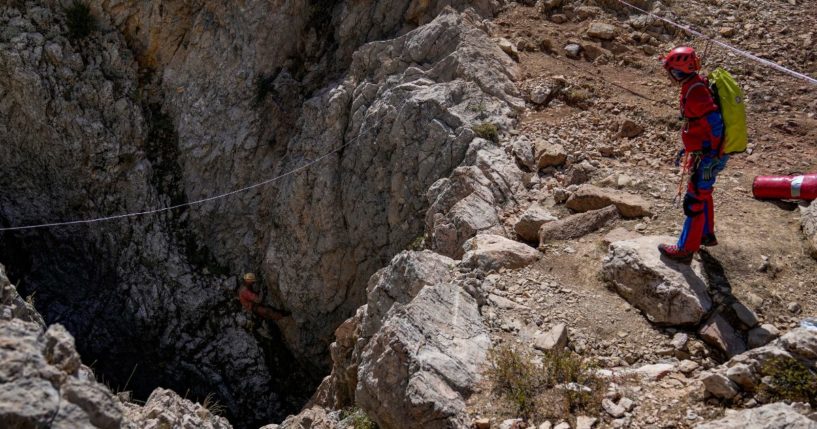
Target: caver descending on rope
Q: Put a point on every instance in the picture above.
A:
(702, 135)
(251, 300)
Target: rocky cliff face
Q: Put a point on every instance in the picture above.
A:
(43, 383)
(172, 102)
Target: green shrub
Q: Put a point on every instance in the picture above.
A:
(79, 20)
(488, 131)
(558, 386)
(577, 97)
(515, 377)
(357, 418)
(789, 380)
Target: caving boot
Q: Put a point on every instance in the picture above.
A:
(709, 240)
(676, 253)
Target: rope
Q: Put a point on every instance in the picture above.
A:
(738, 51)
(190, 203)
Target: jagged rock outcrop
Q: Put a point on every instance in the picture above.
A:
(667, 292)
(412, 355)
(808, 222)
(43, 382)
(164, 104)
(748, 372)
(771, 416)
(489, 252)
(417, 370)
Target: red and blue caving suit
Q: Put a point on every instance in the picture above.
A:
(702, 135)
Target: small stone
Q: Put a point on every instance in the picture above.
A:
(612, 408)
(483, 423)
(794, 308)
(562, 425)
(627, 403)
(742, 375)
(545, 425)
(688, 366)
(508, 48)
(727, 31)
(585, 422)
(601, 30)
(719, 333)
(558, 18)
(512, 424)
(573, 50)
(719, 385)
(746, 316)
(762, 335)
(555, 339)
(679, 341)
(629, 129)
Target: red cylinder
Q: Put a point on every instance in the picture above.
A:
(802, 187)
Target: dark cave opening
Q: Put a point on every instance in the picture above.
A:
(69, 283)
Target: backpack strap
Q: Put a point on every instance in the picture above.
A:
(684, 99)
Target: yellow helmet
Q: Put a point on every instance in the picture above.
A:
(249, 278)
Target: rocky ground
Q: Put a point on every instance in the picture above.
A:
(529, 153)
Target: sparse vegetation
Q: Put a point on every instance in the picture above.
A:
(488, 131)
(418, 243)
(357, 419)
(789, 380)
(79, 20)
(577, 97)
(558, 385)
(211, 404)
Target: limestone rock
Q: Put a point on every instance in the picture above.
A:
(165, 408)
(419, 367)
(555, 339)
(669, 293)
(601, 30)
(577, 225)
(310, 418)
(629, 129)
(527, 227)
(719, 385)
(771, 416)
(14, 306)
(762, 335)
(589, 197)
(492, 252)
(508, 47)
(573, 50)
(549, 154)
(719, 333)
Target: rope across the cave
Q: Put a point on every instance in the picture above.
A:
(191, 203)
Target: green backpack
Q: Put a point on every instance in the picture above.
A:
(730, 101)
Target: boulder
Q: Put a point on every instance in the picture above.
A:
(808, 222)
(527, 227)
(424, 362)
(549, 154)
(719, 333)
(577, 225)
(770, 416)
(629, 129)
(601, 30)
(573, 50)
(507, 47)
(667, 292)
(555, 339)
(398, 283)
(719, 385)
(14, 306)
(589, 197)
(762, 335)
(310, 418)
(166, 409)
(492, 252)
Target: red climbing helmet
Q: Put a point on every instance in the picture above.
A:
(682, 58)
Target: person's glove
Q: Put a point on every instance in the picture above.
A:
(679, 157)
